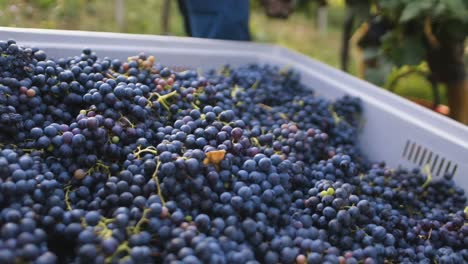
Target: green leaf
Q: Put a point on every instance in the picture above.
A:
(413, 50)
(439, 9)
(361, 12)
(404, 49)
(391, 9)
(379, 74)
(46, 3)
(457, 9)
(375, 76)
(390, 5)
(397, 74)
(415, 9)
(370, 53)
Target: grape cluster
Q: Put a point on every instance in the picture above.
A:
(105, 161)
(16, 61)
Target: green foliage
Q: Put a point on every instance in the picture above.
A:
(438, 10)
(397, 74)
(415, 9)
(417, 27)
(442, 14)
(378, 75)
(44, 4)
(403, 49)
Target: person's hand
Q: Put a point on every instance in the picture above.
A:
(278, 8)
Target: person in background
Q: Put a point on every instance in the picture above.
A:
(216, 19)
(226, 19)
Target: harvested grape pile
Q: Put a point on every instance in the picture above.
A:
(104, 161)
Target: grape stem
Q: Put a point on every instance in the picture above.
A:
(104, 231)
(237, 89)
(255, 142)
(195, 106)
(127, 121)
(67, 197)
(225, 71)
(122, 248)
(255, 85)
(335, 116)
(427, 170)
(162, 99)
(430, 233)
(266, 107)
(155, 178)
(97, 167)
(140, 151)
(137, 228)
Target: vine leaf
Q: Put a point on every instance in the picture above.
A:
(397, 74)
(458, 9)
(415, 9)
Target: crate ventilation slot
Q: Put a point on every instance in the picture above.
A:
(420, 156)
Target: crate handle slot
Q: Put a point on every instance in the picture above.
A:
(411, 151)
(406, 148)
(449, 163)
(429, 158)
(434, 163)
(454, 169)
(440, 166)
(423, 155)
(418, 149)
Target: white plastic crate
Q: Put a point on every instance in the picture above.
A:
(396, 130)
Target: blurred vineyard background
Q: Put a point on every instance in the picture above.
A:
(300, 31)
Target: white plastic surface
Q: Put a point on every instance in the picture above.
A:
(396, 130)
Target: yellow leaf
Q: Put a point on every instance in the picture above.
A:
(214, 157)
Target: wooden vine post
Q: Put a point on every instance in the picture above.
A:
(446, 60)
(165, 17)
(120, 15)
